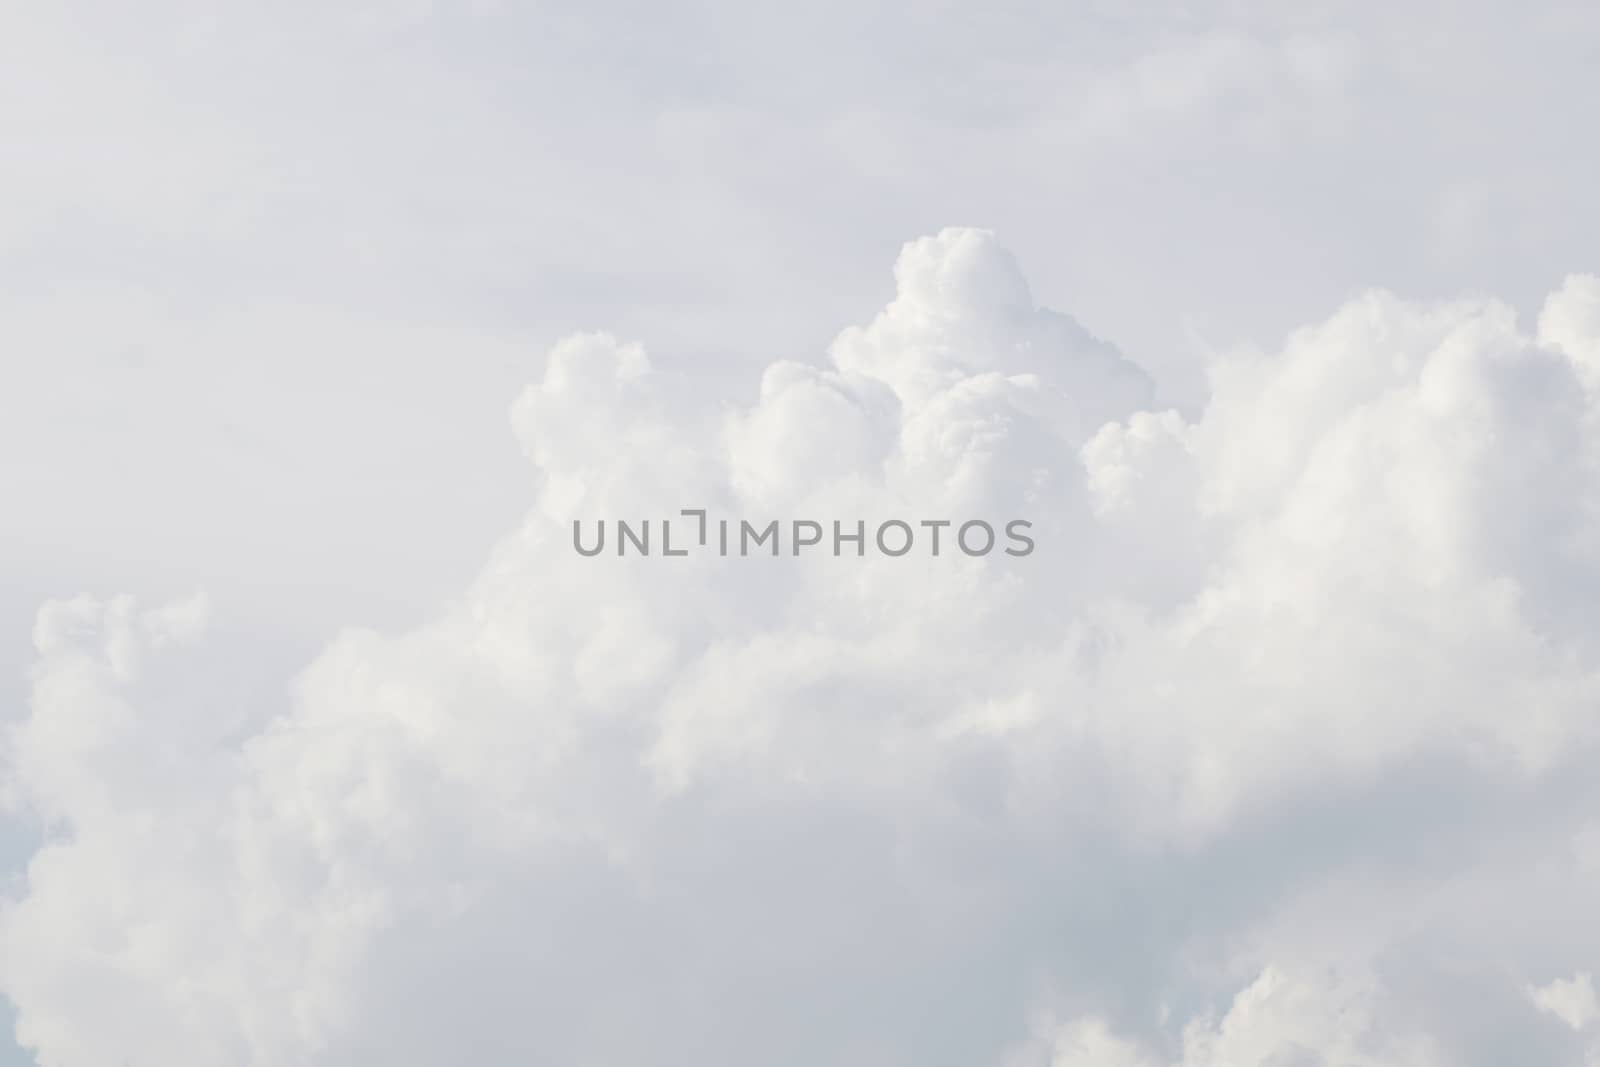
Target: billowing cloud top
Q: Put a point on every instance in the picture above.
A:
(1277, 749)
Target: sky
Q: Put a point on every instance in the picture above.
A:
(321, 323)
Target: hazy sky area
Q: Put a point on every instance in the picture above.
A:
(317, 327)
(239, 225)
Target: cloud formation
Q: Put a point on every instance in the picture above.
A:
(1293, 694)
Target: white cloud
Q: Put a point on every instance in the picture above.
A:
(1572, 1000)
(1278, 1020)
(852, 810)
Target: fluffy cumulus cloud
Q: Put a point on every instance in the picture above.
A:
(1571, 1000)
(1276, 750)
(1278, 1019)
